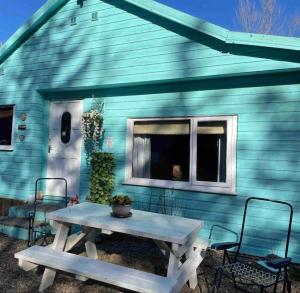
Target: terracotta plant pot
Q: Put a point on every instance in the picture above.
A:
(121, 210)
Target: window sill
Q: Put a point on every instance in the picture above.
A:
(6, 148)
(180, 186)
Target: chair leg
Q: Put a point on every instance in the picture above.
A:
(234, 282)
(289, 286)
(284, 284)
(29, 238)
(34, 237)
(30, 232)
(217, 281)
(214, 289)
(225, 256)
(287, 283)
(277, 280)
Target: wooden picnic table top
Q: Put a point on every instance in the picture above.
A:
(167, 228)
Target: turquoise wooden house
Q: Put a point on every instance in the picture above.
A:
(206, 115)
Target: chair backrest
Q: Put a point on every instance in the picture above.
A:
(224, 230)
(63, 198)
(289, 225)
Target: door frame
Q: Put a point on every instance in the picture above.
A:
(50, 121)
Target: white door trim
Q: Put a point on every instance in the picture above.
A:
(64, 159)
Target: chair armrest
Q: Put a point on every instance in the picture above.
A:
(224, 245)
(278, 263)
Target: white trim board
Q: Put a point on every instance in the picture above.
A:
(64, 158)
(10, 147)
(228, 187)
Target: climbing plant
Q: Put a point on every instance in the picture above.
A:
(102, 177)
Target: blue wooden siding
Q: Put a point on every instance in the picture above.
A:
(100, 52)
(26, 162)
(267, 157)
(129, 46)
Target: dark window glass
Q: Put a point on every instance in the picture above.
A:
(66, 127)
(6, 124)
(211, 151)
(161, 150)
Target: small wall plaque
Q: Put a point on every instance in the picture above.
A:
(109, 142)
(73, 20)
(23, 116)
(94, 16)
(22, 127)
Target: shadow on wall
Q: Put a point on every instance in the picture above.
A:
(269, 124)
(267, 151)
(37, 62)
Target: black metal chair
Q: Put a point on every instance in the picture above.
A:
(262, 274)
(42, 228)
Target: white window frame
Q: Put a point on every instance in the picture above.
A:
(9, 147)
(228, 187)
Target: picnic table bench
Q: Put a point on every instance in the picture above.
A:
(175, 236)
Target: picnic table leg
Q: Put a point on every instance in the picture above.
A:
(193, 281)
(174, 262)
(90, 246)
(58, 244)
(91, 249)
(177, 268)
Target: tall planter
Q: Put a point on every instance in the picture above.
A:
(102, 178)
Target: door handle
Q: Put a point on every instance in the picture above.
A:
(49, 147)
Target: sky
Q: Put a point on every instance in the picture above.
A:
(14, 13)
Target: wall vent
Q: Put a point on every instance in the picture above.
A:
(73, 20)
(94, 16)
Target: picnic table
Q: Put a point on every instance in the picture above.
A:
(175, 236)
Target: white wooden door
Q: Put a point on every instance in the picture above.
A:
(64, 151)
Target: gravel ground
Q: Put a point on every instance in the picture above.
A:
(128, 251)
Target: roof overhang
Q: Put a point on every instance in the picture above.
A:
(186, 20)
(215, 31)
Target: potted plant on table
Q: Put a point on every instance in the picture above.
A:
(121, 206)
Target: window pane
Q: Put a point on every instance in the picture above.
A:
(6, 123)
(211, 151)
(66, 127)
(161, 150)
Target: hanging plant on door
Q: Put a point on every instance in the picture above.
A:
(92, 129)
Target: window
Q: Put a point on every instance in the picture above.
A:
(6, 127)
(161, 150)
(65, 129)
(190, 153)
(211, 151)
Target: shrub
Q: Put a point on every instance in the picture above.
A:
(102, 178)
(120, 199)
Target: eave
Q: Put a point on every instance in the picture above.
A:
(186, 20)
